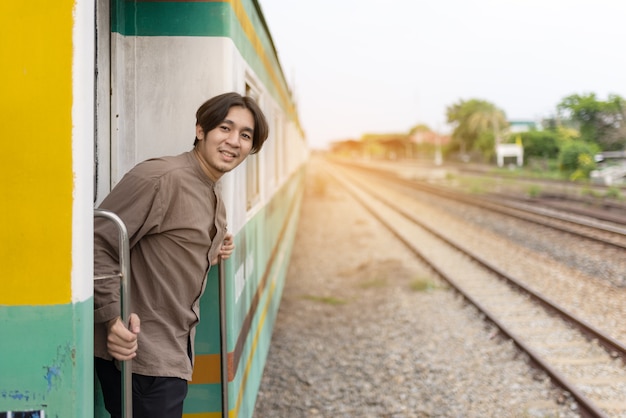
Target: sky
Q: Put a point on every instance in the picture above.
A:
(384, 66)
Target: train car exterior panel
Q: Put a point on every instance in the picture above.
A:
(251, 316)
(156, 62)
(152, 114)
(262, 294)
(46, 348)
(201, 49)
(152, 39)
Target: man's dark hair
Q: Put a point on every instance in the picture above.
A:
(214, 111)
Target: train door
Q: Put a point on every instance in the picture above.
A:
(102, 130)
(116, 98)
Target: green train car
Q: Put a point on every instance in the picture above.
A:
(90, 88)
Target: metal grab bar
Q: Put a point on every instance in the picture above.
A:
(124, 276)
(223, 340)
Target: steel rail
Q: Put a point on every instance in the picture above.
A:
(508, 209)
(588, 408)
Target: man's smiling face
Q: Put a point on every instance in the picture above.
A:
(224, 147)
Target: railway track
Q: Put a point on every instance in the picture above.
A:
(585, 361)
(550, 191)
(607, 232)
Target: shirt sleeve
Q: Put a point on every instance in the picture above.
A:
(135, 200)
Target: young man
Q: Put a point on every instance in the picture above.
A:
(176, 222)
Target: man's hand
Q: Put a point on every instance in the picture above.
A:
(122, 341)
(228, 246)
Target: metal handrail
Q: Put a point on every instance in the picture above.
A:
(223, 340)
(124, 276)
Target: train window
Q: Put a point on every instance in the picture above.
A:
(23, 414)
(253, 189)
(278, 137)
(284, 148)
(252, 181)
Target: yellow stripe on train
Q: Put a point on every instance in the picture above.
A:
(36, 184)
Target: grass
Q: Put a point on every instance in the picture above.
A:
(534, 190)
(422, 284)
(329, 300)
(614, 193)
(374, 283)
(587, 191)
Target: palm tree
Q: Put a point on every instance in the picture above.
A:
(473, 119)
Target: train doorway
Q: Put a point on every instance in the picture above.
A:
(102, 105)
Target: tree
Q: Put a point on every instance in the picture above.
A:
(600, 122)
(542, 144)
(475, 120)
(419, 128)
(576, 158)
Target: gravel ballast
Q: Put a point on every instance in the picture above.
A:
(365, 330)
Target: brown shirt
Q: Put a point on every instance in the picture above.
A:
(176, 222)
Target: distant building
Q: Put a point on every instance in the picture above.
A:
(523, 126)
(429, 137)
(391, 146)
(510, 150)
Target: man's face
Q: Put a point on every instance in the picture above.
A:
(224, 147)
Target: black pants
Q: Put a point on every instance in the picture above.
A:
(153, 397)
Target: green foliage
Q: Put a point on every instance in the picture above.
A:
(543, 167)
(565, 134)
(614, 193)
(543, 144)
(486, 145)
(329, 300)
(600, 122)
(473, 118)
(576, 158)
(534, 190)
(373, 283)
(590, 192)
(422, 284)
(419, 128)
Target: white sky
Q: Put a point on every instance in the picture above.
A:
(377, 66)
